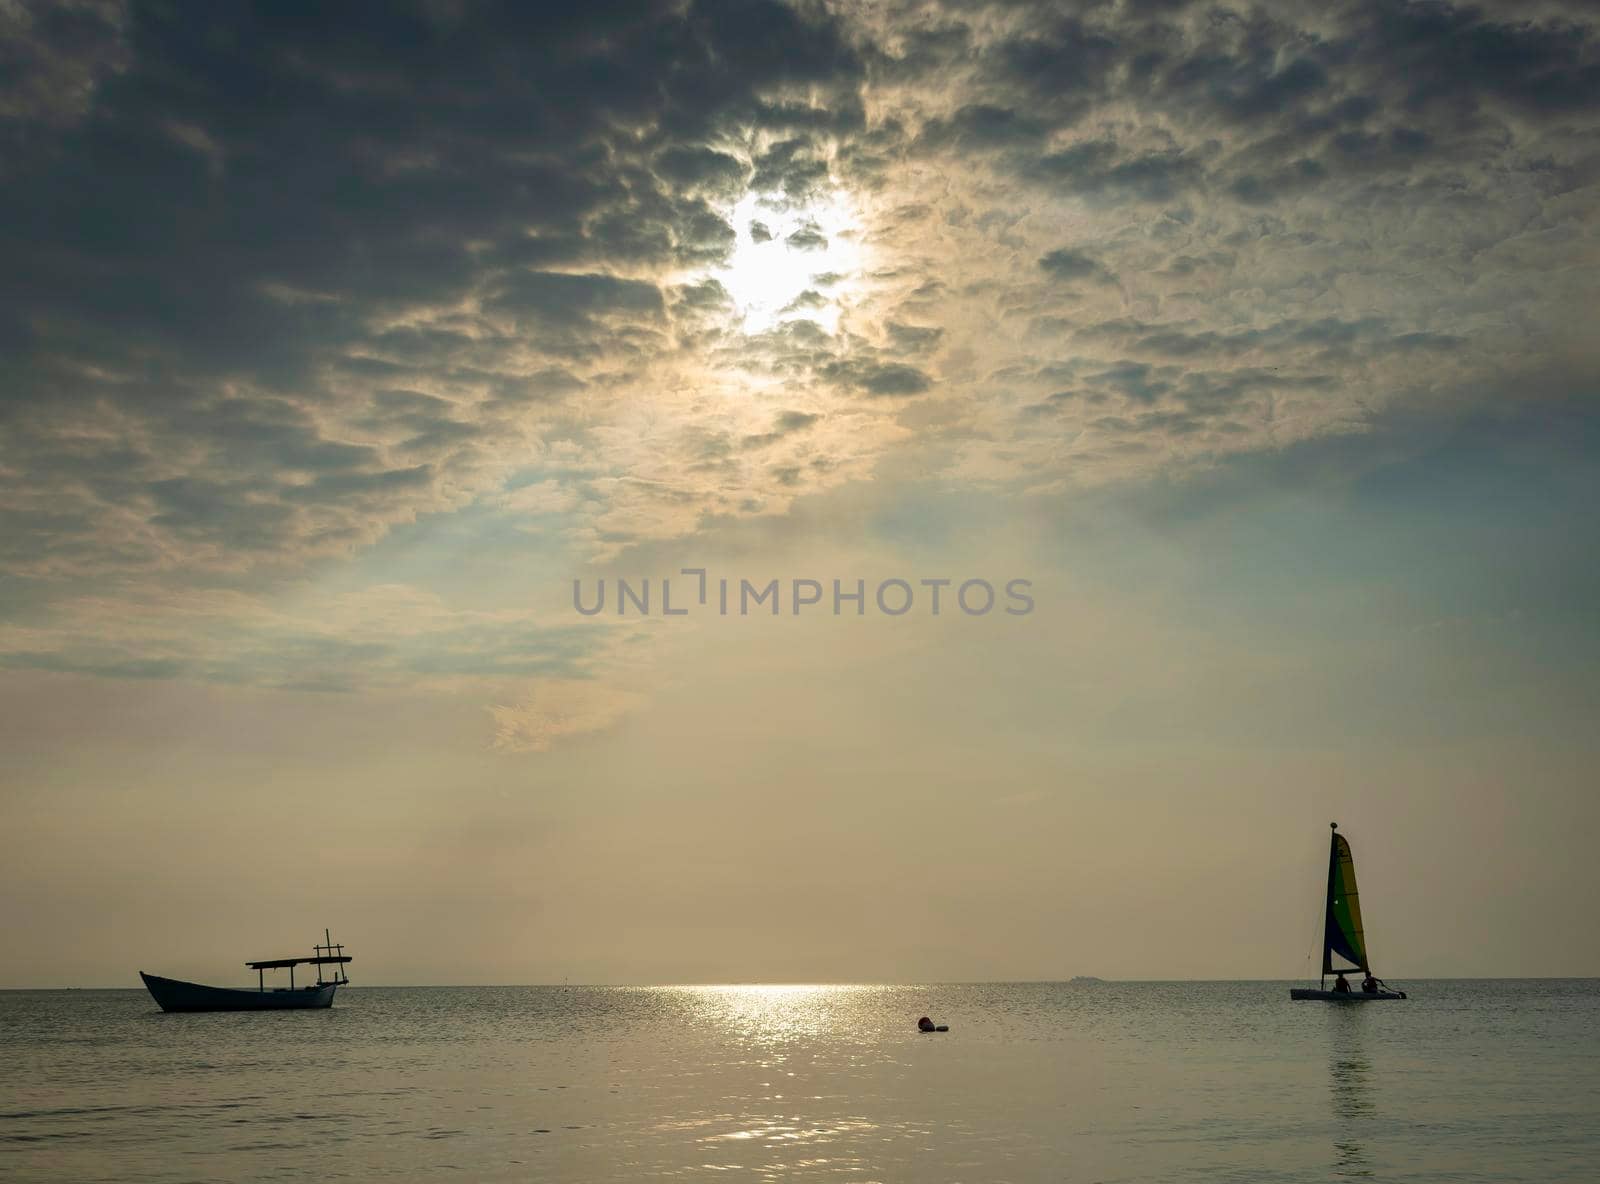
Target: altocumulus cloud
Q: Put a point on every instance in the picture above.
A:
(280, 282)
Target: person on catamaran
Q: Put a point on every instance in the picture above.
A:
(1341, 986)
(925, 1025)
(1369, 985)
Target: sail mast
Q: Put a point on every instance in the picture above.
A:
(1327, 910)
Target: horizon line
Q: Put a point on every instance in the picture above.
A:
(1094, 979)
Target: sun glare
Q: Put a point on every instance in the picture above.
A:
(792, 262)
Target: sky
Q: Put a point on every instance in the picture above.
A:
(1234, 365)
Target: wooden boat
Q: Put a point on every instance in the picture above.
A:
(1342, 937)
(176, 995)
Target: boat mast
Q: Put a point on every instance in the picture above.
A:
(1327, 904)
(327, 951)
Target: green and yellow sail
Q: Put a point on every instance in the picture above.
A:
(1342, 934)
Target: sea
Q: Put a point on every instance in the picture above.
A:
(1228, 1081)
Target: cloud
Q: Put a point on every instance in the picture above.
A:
(876, 378)
(807, 238)
(558, 300)
(345, 280)
(301, 215)
(787, 424)
(1102, 170)
(368, 639)
(557, 710)
(1066, 264)
(53, 59)
(913, 339)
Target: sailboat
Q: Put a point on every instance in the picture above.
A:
(1342, 938)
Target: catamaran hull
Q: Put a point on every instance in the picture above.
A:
(175, 995)
(1343, 996)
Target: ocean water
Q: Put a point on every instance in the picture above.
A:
(1465, 1081)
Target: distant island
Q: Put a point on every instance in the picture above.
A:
(1086, 980)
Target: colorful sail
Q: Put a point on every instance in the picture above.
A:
(1343, 927)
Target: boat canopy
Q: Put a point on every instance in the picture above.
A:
(330, 954)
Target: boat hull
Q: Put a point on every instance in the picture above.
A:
(175, 995)
(1343, 996)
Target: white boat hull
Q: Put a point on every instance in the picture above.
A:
(176, 995)
(1344, 996)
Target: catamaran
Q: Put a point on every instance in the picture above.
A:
(1341, 934)
(176, 995)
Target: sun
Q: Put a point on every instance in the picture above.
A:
(793, 261)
